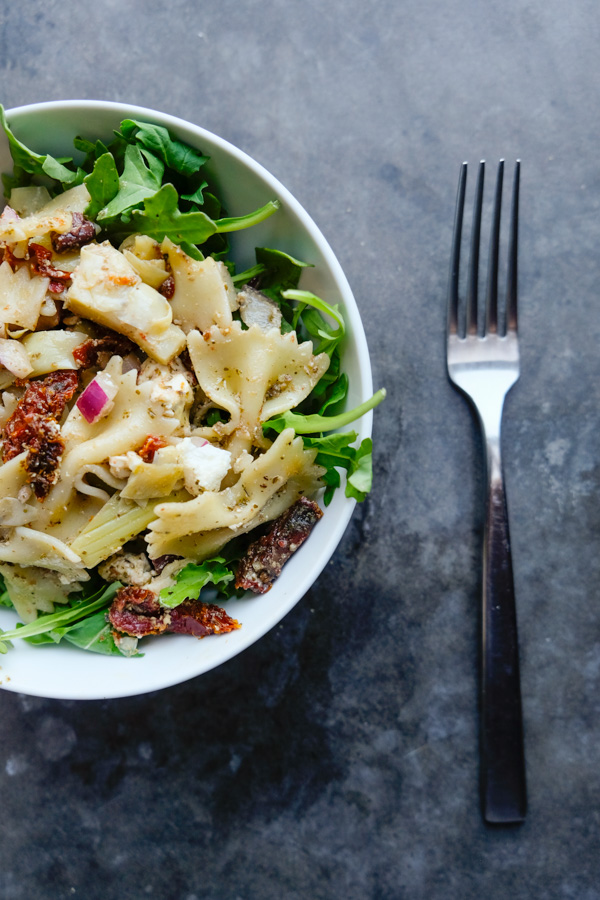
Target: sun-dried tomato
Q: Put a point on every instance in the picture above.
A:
(200, 619)
(150, 446)
(33, 427)
(86, 354)
(81, 233)
(41, 264)
(137, 612)
(265, 558)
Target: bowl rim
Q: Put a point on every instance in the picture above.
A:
(199, 134)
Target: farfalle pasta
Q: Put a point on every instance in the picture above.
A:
(253, 374)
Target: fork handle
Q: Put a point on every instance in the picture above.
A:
(503, 761)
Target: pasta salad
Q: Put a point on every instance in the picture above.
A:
(168, 425)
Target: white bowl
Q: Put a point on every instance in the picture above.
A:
(65, 672)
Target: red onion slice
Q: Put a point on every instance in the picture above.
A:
(97, 399)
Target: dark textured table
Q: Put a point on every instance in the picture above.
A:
(337, 758)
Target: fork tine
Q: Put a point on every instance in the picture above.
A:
(472, 285)
(491, 300)
(455, 252)
(513, 240)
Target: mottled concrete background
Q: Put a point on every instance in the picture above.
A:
(337, 758)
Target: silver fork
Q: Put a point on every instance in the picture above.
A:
(484, 364)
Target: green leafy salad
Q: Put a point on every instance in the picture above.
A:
(165, 419)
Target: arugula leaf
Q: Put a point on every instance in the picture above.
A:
(310, 324)
(94, 633)
(117, 147)
(55, 169)
(306, 298)
(39, 164)
(193, 578)
(93, 151)
(325, 386)
(325, 339)
(333, 446)
(337, 393)
(332, 481)
(281, 271)
(102, 184)
(278, 272)
(4, 595)
(307, 320)
(49, 637)
(335, 451)
(66, 616)
(248, 274)
(360, 472)
(197, 195)
(161, 217)
(212, 206)
(173, 153)
(140, 180)
(155, 165)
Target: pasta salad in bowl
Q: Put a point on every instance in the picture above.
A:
(185, 397)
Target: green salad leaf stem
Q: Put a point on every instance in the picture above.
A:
(236, 223)
(316, 423)
(248, 274)
(306, 298)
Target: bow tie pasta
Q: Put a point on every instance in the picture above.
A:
(253, 375)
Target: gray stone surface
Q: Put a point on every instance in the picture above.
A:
(337, 758)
